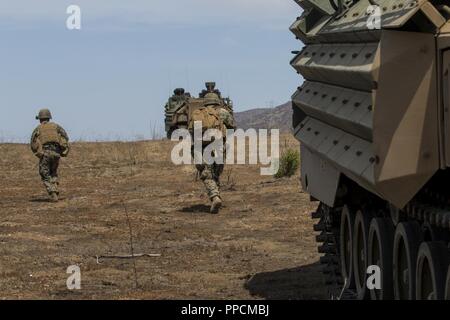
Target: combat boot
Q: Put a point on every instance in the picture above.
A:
(54, 197)
(216, 205)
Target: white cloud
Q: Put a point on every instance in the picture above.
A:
(196, 12)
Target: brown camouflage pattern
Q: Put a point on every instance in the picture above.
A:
(49, 156)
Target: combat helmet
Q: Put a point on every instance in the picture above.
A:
(212, 96)
(44, 114)
(212, 102)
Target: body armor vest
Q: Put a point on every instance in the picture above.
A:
(48, 133)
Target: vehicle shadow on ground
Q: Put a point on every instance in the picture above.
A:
(302, 283)
(198, 208)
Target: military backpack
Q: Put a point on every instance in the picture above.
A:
(209, 117)
(48, 133)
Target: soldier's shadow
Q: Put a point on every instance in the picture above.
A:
(198, 208)
(43, 200)
(39, 200)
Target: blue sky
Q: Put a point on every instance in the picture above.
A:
(110, 79)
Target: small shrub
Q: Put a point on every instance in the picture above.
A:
(289, 163)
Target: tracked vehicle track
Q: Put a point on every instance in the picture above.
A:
(428, 229)
(328, 239)
(430, 207)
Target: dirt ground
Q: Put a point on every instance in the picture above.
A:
(261, 246)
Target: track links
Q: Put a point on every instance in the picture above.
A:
(329, 246)
(437, 216)
(429, 207)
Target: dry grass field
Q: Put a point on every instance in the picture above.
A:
(261, 246)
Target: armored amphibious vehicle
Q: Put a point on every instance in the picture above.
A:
(372, 116)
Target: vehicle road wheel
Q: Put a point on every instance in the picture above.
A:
(346, 247)
(447, 286)
(360, 244)
(381, 235)
(431, 271)
(406, 245)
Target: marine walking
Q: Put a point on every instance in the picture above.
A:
(49, 142)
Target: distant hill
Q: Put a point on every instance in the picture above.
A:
(266, 118)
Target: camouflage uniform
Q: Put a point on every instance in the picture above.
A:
(210, 173)
(49, 155)
(48, 168)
